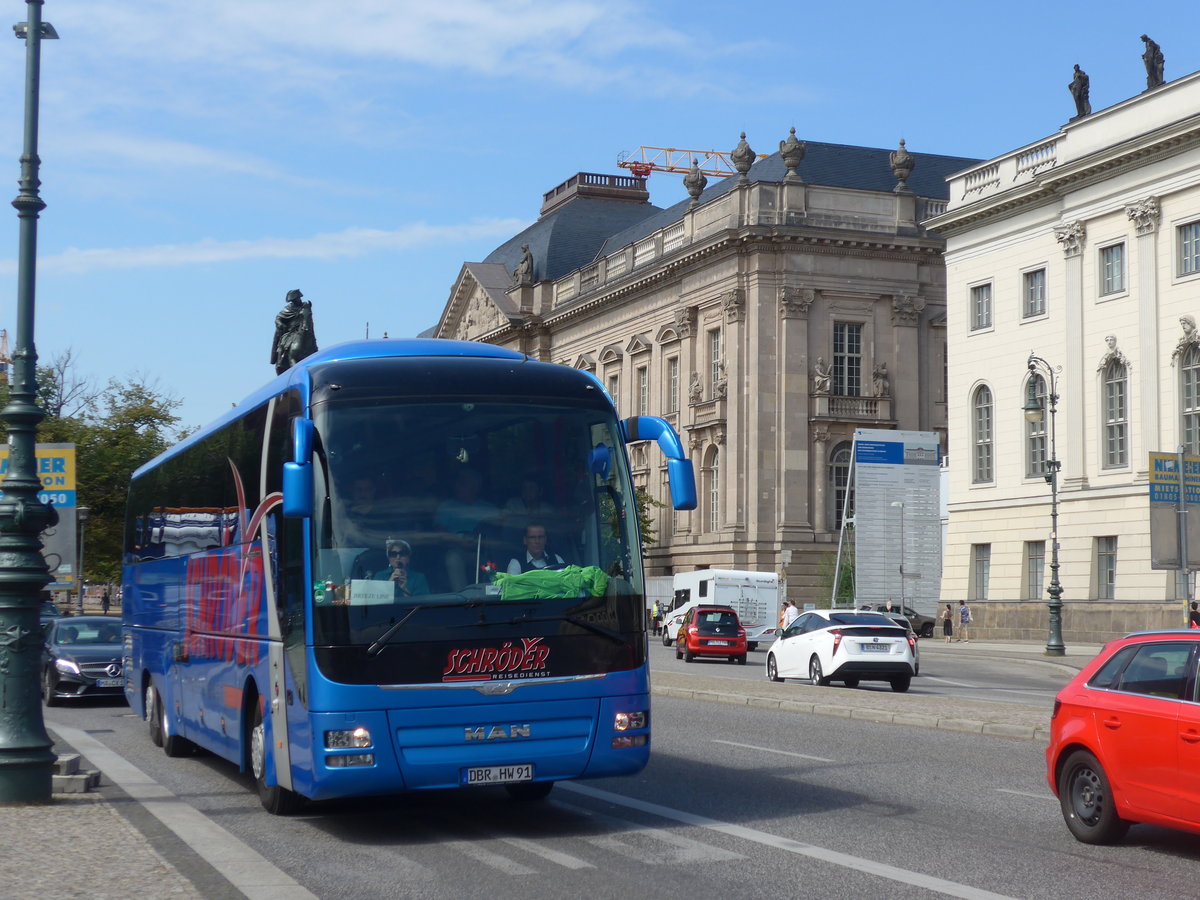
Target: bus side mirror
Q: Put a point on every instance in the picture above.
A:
(680, 474)
(298, 493)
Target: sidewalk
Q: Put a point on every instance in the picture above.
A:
(106, 845)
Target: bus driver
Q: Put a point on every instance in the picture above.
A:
(407, 582)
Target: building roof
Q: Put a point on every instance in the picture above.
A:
(828, 165)
(570, 235)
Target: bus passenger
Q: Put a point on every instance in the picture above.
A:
(407, 582)
(464, 518)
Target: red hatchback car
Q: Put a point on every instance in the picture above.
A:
(1125, 738)
(712, 631)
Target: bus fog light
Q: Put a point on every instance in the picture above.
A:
(627, 720)
(629, 740)
(344, 740)
(356, 759)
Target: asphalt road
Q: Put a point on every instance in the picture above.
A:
(954, 671)
(736, 801)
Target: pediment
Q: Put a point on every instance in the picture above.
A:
(668, 334)
(639, 343)
(478, 305)
(586, 361)
(611, 353)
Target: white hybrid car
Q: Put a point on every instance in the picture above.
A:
(825, 645)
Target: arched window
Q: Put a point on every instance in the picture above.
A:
(1116, 414)
(712, 489)
(1035, 432)
(1189, 373)
(842, 492)
(981, 408)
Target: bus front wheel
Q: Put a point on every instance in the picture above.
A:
(276, 800)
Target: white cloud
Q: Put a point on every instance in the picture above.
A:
(350, 243)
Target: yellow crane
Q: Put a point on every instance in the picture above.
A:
(644, 160)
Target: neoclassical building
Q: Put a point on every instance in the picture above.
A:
(766, 316)
(1084, 249)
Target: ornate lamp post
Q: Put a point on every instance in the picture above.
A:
(1035, 412)
(26, 761)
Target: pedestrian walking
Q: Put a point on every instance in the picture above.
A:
(791, 615)
(105, 601)
(964, 621)
(947, 618)
(656, 617)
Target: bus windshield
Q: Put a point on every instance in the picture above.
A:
(481, 540)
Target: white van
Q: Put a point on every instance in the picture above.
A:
(754, 596)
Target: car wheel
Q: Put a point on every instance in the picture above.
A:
(927, 630)
(679, 649)
(752, 646)
(276, 800)
(688, 655)
(900, 683)
(1087, 801)
(666, 639)
(772, 668)
(851, 682)
(49, 689)
(531, 792)
(153, 722)
(815, 673)
(741, 660)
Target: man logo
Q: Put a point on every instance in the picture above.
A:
(495, 733)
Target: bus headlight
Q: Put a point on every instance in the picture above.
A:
(344, 740)
(627, 720)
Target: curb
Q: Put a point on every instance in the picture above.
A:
(879, 716)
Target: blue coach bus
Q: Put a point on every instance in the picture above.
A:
(317, 586)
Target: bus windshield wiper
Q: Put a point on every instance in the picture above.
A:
(383, 639)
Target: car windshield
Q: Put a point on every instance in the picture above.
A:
(84, 632)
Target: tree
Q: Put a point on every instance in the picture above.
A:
(645, 507)
(114, 430)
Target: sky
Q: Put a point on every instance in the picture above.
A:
(199, 160)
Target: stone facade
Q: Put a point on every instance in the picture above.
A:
(1081, 248)
(713, 316)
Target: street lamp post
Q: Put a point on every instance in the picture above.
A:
(900, 505)
(26, 760)
(1035, 412)
(81, 515)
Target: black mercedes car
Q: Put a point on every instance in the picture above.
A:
(82, 658)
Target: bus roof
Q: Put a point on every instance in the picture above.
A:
(297, 375)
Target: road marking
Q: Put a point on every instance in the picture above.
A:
(856, 863)
(554, 856)
(247, 870)
(961, 684)
(1028, 794)
(679, 850)
(488, 858)
(773, 750)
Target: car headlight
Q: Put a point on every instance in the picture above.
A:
(66, 666)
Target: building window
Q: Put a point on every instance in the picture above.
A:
(1189, 373)
(614, 385)
(712, 486)
(1112, 269)
(643, 377)
(1106, 568)
(1035, 433)
(981, 569)
(843, 491)
(982, 409)
(1035, 569)
(1035, 293)
(1189, 248)
(847, 359)
(1116, 415)
(673, 384)
(714, 361)
(981, 306)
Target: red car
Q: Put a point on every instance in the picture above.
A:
(1125, 738)
(712, 631)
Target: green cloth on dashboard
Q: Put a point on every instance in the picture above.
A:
(545, 584)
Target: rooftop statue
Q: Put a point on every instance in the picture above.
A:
(1079, 88)
(1153, 58)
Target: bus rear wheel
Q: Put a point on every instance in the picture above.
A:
(153, 722)
(276, 800)
(173, 745)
